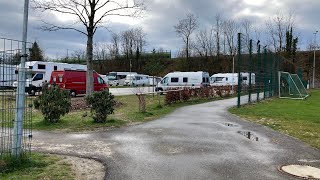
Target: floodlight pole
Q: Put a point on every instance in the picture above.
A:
(314, 58)
(20, 96)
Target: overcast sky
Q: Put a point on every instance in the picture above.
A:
(158, 22)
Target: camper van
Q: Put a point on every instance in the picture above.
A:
(226, 79)
(39, 72)
(7, 75)
(184, 80)
(154, 80)
(75, 81)
(118, 78)
(136, 80)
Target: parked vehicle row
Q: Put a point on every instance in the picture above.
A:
(73, 78)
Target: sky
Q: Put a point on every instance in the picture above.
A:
(158, 22)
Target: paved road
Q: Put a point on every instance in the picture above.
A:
(128, 91)
(194, 142)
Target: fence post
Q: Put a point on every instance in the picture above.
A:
(251, 69)
(265, 74)
(239, 69)
(258, 72)
(20, 96)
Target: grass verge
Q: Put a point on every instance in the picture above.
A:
(39, 166)
(126, 114)
(297, 118)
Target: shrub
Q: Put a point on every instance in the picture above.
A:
(102, 104)
(185, 95)
(53, 103)
(172, 96)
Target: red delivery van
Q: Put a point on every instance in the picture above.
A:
(75, 81)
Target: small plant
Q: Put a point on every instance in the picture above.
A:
(102, 104)
(53, 103)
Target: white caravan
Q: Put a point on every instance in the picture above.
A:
(136, 80)
(39, 72)
(7, 75)
(180, 80)
(154, 80)
(229, 79)
(117, 78)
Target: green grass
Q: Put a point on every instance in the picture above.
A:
(297, 118)
(126, 114)
(39, 166)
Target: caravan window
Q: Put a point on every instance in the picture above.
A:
(219, 78)
(55, 68)
(245, 78)
(37, 77)
(185, 79)
(207, 80)
(226, 79)
(41, 66)
(174, 79)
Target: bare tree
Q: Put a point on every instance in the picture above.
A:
(231, 29)
(247, 28)
(114, 47)
(277, 28)
(204, 43)
(91, 14)
(184, 29)
(100, 51)
(218, 31)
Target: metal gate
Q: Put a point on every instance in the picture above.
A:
(10, 55)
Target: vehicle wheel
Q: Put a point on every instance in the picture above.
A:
(73, 93)
(143, 85)
(32, 92)
(117, 84)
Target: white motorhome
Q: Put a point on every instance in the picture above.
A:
(175, 80)
(7, 75)
(154, 80)
(118, 78)
(39, 72)
(136, 80)
(225, 79)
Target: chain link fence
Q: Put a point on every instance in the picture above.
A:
(10, 55)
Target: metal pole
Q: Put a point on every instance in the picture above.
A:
(314, 58)
(20, 96)
(232, 73)
(239, 69)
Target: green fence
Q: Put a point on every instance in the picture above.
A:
(257, 69)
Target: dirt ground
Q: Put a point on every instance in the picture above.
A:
(85, 169)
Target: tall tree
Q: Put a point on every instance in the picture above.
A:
(91, 14)
(218, 31)
(184, 29)
(277, 28)
(36, 54)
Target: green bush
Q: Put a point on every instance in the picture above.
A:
(53, 103)
(102, 104)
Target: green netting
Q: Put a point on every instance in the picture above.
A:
(291, 86)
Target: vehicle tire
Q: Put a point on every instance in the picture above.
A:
(143, 85)
(73, 93)
(32, 92)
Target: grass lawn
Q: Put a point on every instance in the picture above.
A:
(127, 113)
(40, 166)
(297, 118)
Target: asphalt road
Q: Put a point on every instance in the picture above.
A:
(195, 142)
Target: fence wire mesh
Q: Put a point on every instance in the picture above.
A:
(10, 55)
(257, 69)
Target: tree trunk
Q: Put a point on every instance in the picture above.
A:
(89, 79)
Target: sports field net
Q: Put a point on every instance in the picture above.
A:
(291, 86)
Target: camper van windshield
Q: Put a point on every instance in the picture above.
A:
(112, 76)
